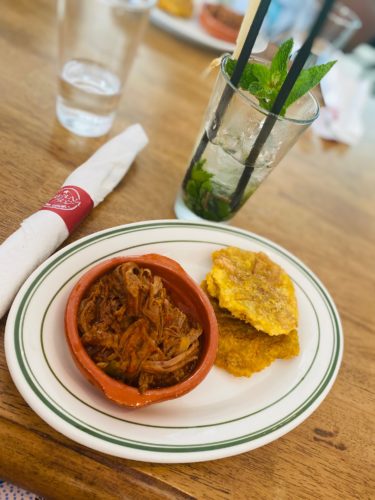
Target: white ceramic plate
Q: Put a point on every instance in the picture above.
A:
(191, 30)
(224, 415)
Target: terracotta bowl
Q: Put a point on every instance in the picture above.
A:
(185, 293)
(216, 27)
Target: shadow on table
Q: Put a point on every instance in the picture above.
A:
(70, 148)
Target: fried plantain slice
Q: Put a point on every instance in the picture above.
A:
(255, 289)
(243, 350)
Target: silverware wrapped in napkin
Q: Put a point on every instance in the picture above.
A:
(41, 233)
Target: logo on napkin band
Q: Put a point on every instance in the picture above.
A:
(72, 204)
(67, 198)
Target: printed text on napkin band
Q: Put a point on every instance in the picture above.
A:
(72, 204)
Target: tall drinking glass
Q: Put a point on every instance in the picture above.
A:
(341, 25)
(98, 40)
(213, 175)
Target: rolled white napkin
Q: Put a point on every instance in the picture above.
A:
(345, 92)
(41, 233)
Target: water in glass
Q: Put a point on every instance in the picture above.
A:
(88, 97)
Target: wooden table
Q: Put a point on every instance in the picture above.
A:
(319, 204)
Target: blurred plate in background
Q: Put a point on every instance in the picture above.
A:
(191, 30)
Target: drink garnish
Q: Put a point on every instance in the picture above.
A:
(199, 196)
(265, 81)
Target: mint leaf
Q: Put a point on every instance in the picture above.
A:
(192, 189)
(261, 73)
(223, 208)
(247, 76)
(279, 64)
(198, 174)
(261, 92)
(307, 79)
(205, 187)
(229, 66)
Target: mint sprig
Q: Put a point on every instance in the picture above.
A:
(265, 81)
(201, 199)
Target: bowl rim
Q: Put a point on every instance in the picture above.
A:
(118, 391)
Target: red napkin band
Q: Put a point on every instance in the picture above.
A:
(72, 204)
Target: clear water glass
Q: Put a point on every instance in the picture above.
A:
(341, 25)
(98, 40)
(213, 174)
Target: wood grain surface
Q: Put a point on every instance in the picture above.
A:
(319, 204)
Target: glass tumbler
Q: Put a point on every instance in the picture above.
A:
(341, 25)
(214, 172)
(98, 40)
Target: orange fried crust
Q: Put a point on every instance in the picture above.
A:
(243, 350)
(254, 289)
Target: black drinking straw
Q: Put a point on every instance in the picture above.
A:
(235, 79)
(282, 96)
